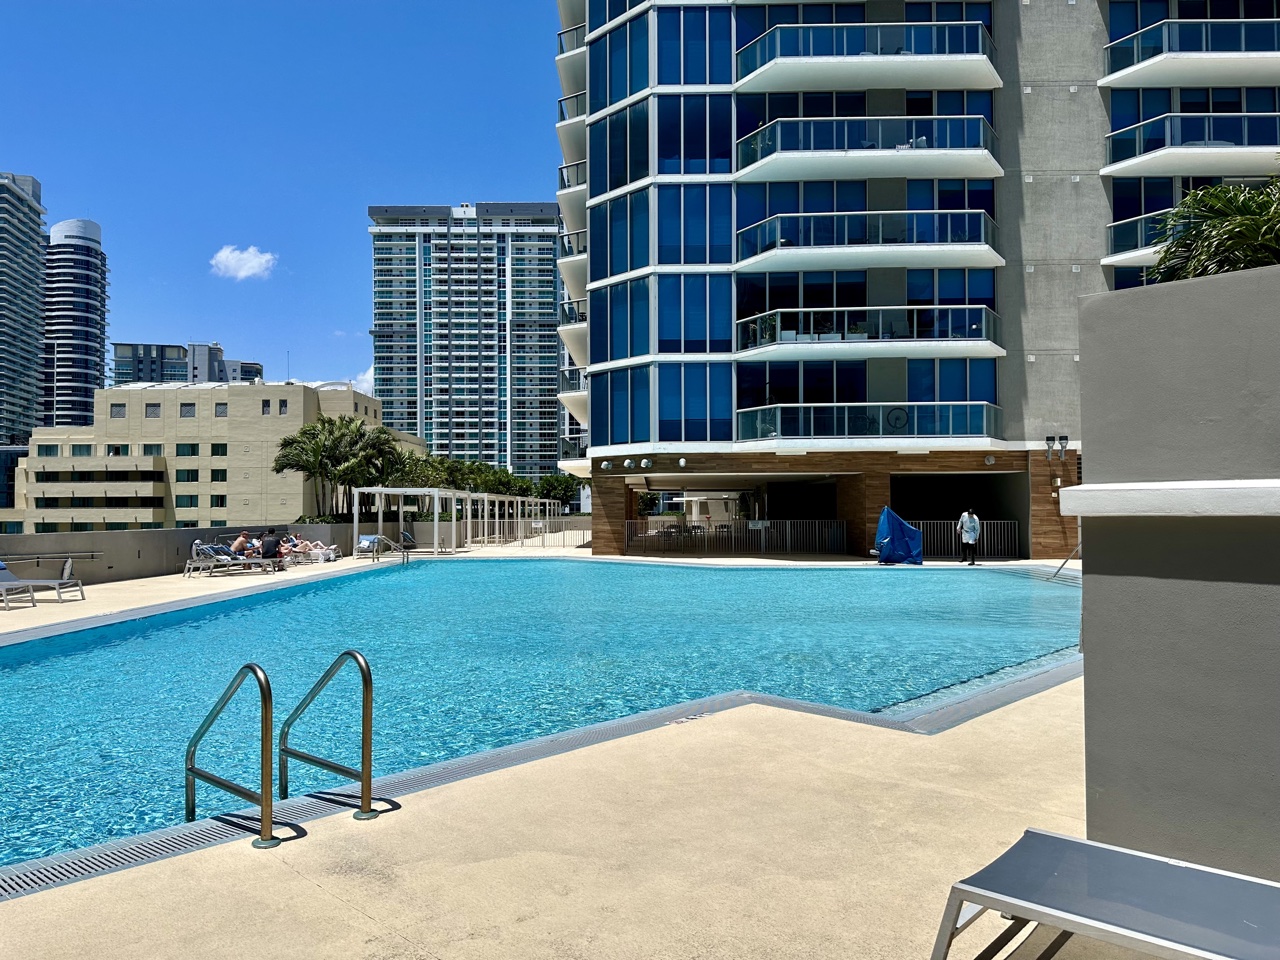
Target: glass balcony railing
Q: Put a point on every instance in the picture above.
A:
(572, 107)
(1136, 233)
(785, 421)
(573, 244)
(1194, 36)
(1194, 130)
(573, 175)
(864, 39)
(867, 133)
(844, 325)
(573, 447)
(573, 311)
(572, 379)
(575, 38)
(853, 229)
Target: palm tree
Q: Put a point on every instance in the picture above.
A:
(1219, 230)
(306, 453)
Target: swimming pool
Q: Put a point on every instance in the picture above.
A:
(471, 655)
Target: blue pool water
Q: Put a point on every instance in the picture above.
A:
(472, 655)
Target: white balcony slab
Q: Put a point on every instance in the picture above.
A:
(575, 468)
(572, 67)
(869, 255)
(573, 139)
(575, 401)
(573, 270)
(871, 165)
(1142, 257)
(1198, 161)
(573, 207)
(574, 336)
(970, 71)
(1228, 69)
(818, 349)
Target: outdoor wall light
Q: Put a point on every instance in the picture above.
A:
(606, 464)
(629, 464)
(989, 460)
(1048, 448)
(646, 463)
(1062, 445)
(682, 463)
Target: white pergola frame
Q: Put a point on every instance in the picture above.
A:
(493, 508)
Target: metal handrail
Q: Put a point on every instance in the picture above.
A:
(365, 773)
(262, 798)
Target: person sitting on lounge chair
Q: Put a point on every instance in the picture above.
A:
(243, 546)
(272, 548)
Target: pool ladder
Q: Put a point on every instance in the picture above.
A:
(262, 797)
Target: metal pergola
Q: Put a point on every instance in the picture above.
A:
(482, 511)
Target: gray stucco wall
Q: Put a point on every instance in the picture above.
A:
(1182, 668)
(1051, 133)
(1180, 380)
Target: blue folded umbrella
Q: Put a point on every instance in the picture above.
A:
(897, 541)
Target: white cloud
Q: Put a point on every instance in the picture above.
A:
(339, 333)
(239, 264)
(364, 382)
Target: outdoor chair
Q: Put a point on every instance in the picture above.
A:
(12, 587)
(65, 583)
(216, 558)
(1155, 906)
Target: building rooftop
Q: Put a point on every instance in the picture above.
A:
(478, 210)
(213, 384)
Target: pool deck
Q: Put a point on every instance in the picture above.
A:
(756, 832)
(105, 602)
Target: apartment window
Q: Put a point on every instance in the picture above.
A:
(188, 476)
(46, 528)
(82, 449)
(217, 476)
(184, 524)
(219, 409)
(188, 450)
(152, 411)
(117, 449)
(218, 450)
(117, 476)
(266, 408)
(46, 476)
(117, 411)
(187, 411)
(217, 523)
(47, 450)
(11, 526)
(283, 406)
(153, 449)
(48, 503)
(150, 525)
(81, 502)
(218, 500)
(186, 500)
(116, 503)
(116, 525)
(81, 527)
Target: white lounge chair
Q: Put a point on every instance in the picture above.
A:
(1159, 907)
(12, 587)
(65, 583)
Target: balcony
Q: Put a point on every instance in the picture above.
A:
(573, 330)
(572, 195)
(827, 241)
(572, 392)
(858, 420)
(1197, 53)
(571, 58)
(1196, 145)
(869, 56)
(1135, 242)
(572, 455)
(572, 262)
(571, 126)
(869, 147)
(855, 333)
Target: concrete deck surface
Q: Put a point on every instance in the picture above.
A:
(753, 833)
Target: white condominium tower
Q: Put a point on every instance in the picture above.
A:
(22, 242)
(465, 350)
(75, 323)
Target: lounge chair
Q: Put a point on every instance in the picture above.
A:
(13, 587)
(65, 583)
(1159, 907)
(216, 558)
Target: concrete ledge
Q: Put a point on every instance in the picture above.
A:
(1175, 498)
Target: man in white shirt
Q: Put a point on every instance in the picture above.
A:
(970, 528)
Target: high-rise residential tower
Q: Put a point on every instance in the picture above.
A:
(170, 363)
(465, 352)
(75, 323)
(823, 258)
(22, 243)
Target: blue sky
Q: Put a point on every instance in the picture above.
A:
(185, 127)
